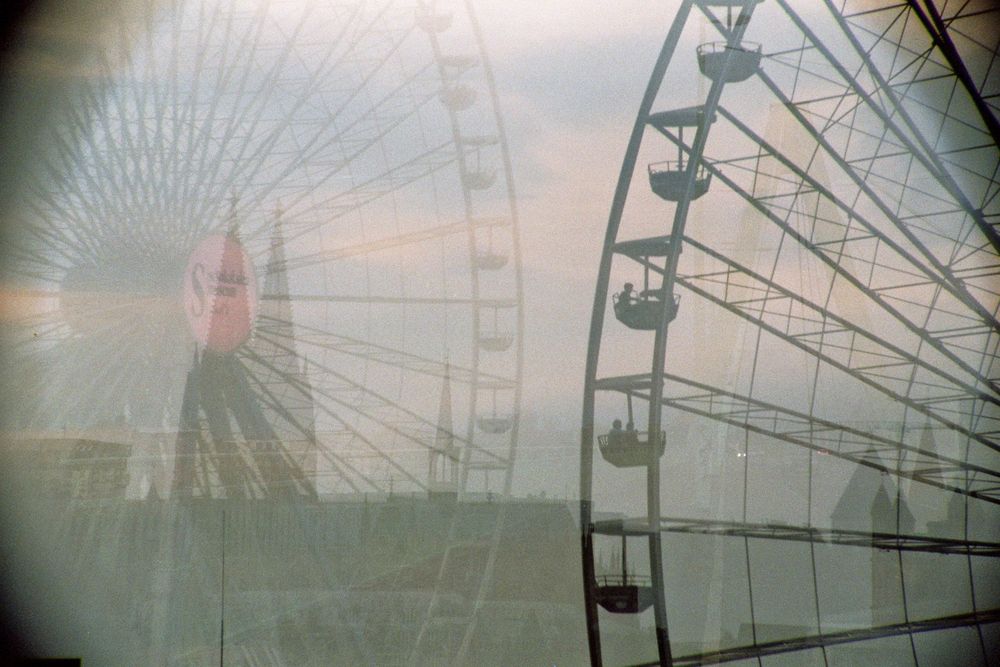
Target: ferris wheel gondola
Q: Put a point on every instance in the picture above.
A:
(267, 240)
(835, 298)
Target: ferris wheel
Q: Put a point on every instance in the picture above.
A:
(289, 223)
(815, 448)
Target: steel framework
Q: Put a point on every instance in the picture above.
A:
(852, 311)
(356, 152)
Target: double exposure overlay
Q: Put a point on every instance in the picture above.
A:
(291, 377)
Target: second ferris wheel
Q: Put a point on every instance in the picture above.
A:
(816, 236)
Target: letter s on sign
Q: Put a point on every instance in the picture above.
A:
(197, 305)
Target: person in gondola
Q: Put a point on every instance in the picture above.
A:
(631, 436)
(616, 433)
(627, 296)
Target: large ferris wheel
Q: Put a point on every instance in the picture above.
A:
(810, 465)
(334, 177)
(271, 256)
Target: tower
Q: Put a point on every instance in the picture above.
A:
(240, 437)
(443, 456)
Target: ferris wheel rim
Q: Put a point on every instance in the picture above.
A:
(478, 381)
(640, 385)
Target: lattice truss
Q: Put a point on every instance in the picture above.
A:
(355, 152)
(886, 192)
(831, 281)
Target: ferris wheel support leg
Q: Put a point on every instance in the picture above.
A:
(589, 598)
(733, 38)
(659, 598)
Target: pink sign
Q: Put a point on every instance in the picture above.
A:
(220, 293)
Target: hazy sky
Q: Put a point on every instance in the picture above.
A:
(570, 79)
(570, 76)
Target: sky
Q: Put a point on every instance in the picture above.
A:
(570, 77)
(570, 80)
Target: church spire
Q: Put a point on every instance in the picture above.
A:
(442, 470)
(232, 219)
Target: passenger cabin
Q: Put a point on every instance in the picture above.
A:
(458, 97)
(496, 341)
(643, 310)
(644, 313)
(624, 594)
(479, 179)
(490, 261)
(668, 180)
(630, 449)
(733, 63)
(495, 424)
(475, 174)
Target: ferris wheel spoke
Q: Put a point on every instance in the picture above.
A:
(122, 169)
(908, 227)
(392, 300)
(206, 150)
(257, 358)
(388, 243)
(937, 60)
(340, 464)
(154, 97)
(75, 142)
(191, 158)
(920, 152)
(82, 230)
(971, 49)
(342, 468)
(27, 259)
(826, 437)
(843, 637)
(310, 151)
(786, 532)
(869, 358)
(861, 168)
(391, 414)
(133, 135)
(385, 354)
(274, 403)
(942, 340)
(183, 112)
(890, 258)
(377, 187)
(157, 154)
(53, 240)
(246, 166)
(400, 419)
(349, 136)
